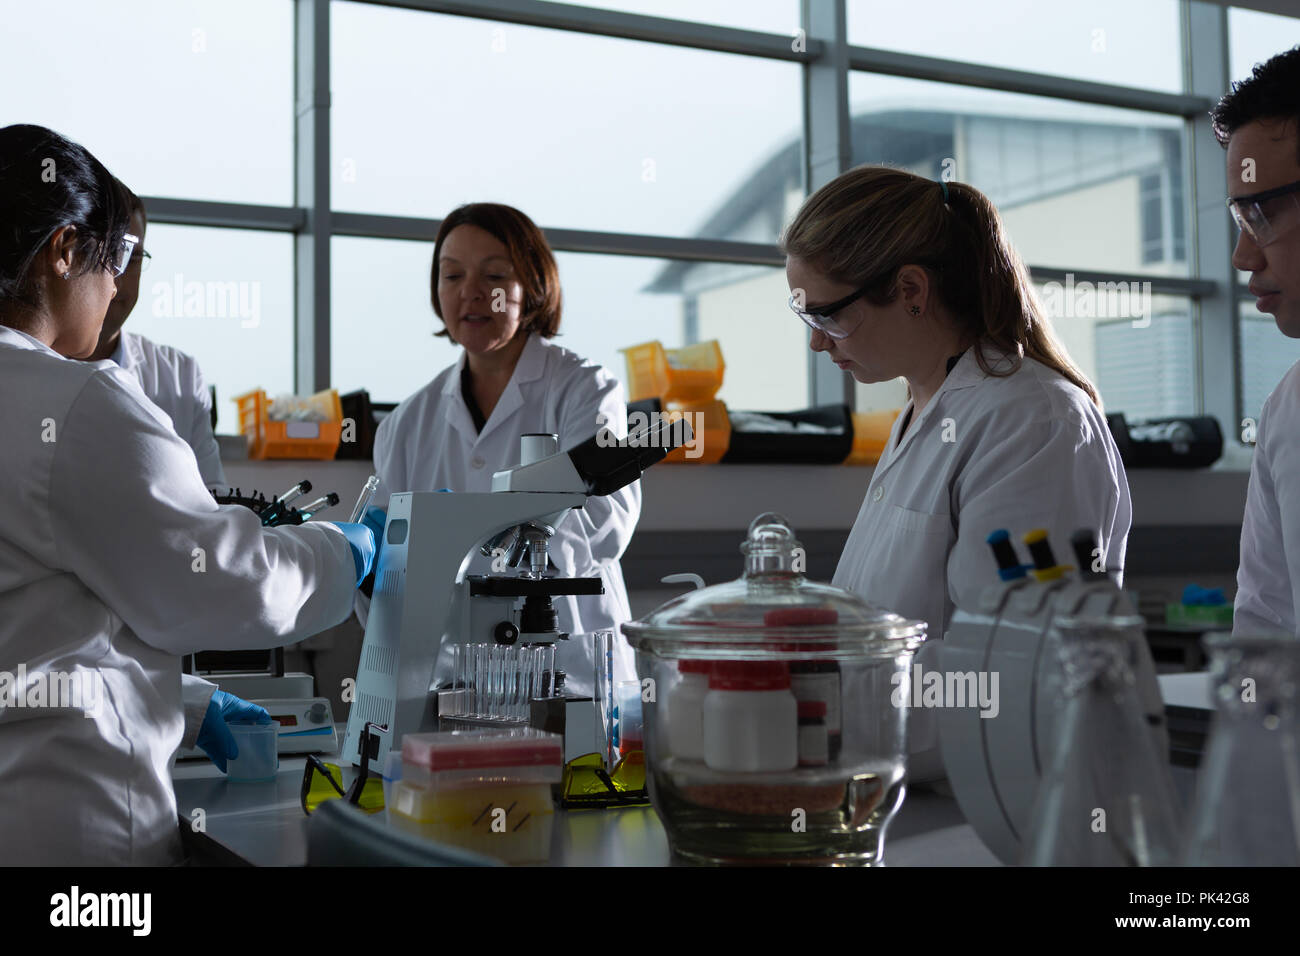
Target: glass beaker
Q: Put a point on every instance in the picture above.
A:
(1247, 806)
(1107, 798)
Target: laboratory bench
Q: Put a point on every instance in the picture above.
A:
(263, 824)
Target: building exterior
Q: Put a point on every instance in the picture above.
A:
(1073, 194)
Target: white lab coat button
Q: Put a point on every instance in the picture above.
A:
(477, 462)
(878, 493)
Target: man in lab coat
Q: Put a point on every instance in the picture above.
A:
(170, 377)
(1257, 123)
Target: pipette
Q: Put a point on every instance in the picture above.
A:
(367, 493)
(320, 504)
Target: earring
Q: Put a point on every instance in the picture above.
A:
(66, 275)
(915, 310)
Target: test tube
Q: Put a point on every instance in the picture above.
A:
(480, 679)
(534, 679)
(525, 684)
(464, 679)
(320, 504)
(457, 694)
(507, 652)
(507, 681)
(368, 492)
(301, 488)
(497, 658)
(547, 665)
(503, 679)
(511, 709)
(527, 656)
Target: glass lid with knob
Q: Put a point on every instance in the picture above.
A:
(774, 611)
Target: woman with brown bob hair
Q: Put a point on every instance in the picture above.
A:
(495, 286)
(901, 276)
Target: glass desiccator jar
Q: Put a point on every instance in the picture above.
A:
(728, 663)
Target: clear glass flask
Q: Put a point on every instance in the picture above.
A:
(1107, 799)
(1247, 807)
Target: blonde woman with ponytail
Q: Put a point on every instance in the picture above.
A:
(901, 276)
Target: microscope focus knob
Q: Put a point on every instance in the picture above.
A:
(505, 633)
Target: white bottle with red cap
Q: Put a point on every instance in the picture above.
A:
(751, 720)
(685, 709)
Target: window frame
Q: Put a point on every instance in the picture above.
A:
(827, 58)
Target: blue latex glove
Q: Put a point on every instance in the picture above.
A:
(215, 738)
(375, 519)
(364, 544)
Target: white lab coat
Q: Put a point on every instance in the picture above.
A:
(114, 562)
(429, 442)
(174, 383)
(1268, 577)
(1025, 451)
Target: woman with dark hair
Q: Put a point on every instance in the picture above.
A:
(495, 286)
(171, 378)
(901, 276)
(114, 559)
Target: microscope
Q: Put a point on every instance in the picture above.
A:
(424, 603)
(994, 765)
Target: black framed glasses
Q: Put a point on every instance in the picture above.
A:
(822, 319)
(142, 257)
(1266, 216)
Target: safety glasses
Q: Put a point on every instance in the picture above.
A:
(822, 318)
(120, 257)
(324, 781)
(586, 784)
(1268, 215)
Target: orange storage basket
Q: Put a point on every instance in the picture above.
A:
(268, 439)
(713, 439)
(870, 436)
(689, 374)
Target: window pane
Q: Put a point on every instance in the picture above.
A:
(382, 330)
(382, 333)
(190, 98)
(770, 16)
(745, 308)
(1138, 349)
(1266, 355)
(1068, 178)
(1144, 371)
(224, 296)
(613, 134)
(1256, 37)
(1105, 41)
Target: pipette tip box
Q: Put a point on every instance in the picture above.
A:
(484, 790)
